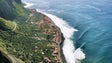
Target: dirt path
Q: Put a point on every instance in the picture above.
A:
(15, 26)
(29, 17)
(12, 59)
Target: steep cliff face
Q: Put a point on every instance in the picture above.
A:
(8, 9)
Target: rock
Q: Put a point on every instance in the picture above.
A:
(55, 51)
(54, 54)
(47, 59)
(43, 53)
(36, 47)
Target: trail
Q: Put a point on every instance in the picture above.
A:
(13, 59)
(29, 17)
(15, 26)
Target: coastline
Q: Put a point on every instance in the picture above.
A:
(66, 47)
(70, 54)
(57, 39)
(59, 42)
(62, 49)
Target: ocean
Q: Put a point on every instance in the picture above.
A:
(86, 26)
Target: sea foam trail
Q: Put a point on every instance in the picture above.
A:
(71, 55)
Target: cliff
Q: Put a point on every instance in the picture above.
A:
(10, 9)
(27, 36)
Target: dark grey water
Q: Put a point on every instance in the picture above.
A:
(92, 19)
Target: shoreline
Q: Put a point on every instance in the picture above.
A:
(58, 37)
(60, 42)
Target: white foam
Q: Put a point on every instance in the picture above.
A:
(71, 55)
(27, 5)
(79, 54)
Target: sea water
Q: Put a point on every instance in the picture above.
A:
(86, 26)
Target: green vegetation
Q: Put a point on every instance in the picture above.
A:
(19, 9)
(3, 59)
(7, 25)
(25, 45)
(6, 9)
(35, 16)
(22, 39)
(11, 9)
(2, 46)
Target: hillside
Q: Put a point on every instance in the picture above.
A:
(26, 36)
(10, 9)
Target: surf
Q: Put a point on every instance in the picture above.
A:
(71, 54)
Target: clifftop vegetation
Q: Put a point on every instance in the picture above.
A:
(10, 9)
(7, 25)
(22, 39)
